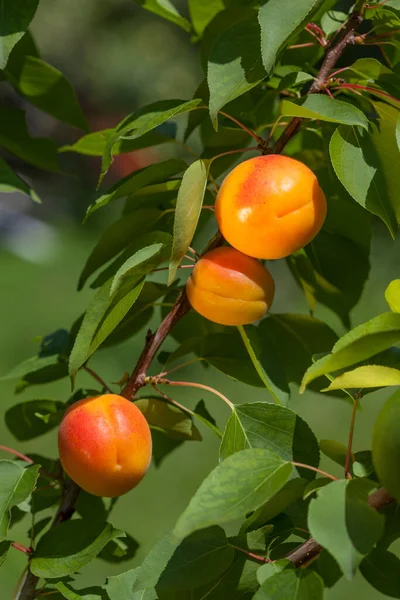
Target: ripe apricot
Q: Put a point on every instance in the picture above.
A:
(230, 288)
(105, 445)
(270, 206)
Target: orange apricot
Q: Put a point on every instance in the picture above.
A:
(230, 288)
(105, 445)
(270, 206)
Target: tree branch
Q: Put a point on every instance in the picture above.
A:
(332, 55)
(182, 307)
(311, 549)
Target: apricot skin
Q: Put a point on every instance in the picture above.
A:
(105, 445)
(230, 288)
(270, 206)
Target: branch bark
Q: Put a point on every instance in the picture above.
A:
(182, 307)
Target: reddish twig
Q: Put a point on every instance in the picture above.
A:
(21, 548)
(263, 559)
(315, 469)
(16, 453)
(97, 378)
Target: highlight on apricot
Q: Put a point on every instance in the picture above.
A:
(270, 206)
(230, 288)
(105, 445)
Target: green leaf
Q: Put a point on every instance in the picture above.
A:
(175, 422)
(48, 89)
(320, 106)
(35, 363)
(119, 587)
(269, 569)
(144, 120)
(141, 263)
(341, 520)
(200, 558)
(334, 450)
(266, 363)
(33, 418)
(148, 574)
(11, 182)
(386, 445)
(116, 238)
(94, 144)
(368, 376)
(202, 13)
(292, 584)
(187, 212)
(275, 428)
(155, 173)
(297, 338)
(364, 161)
(119, 550)
(15, 20)
(70, 546)
(166, 10)
(94, 593)
(239, 484)
(392, 295)
(315, 485)
(16, 485)
(381, 569)
(281, 21)
(15, 137)
(360, 343)
(4, 548)
(201, 412)
(234, 65)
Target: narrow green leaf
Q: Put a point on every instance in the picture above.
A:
(360, 343)
(202, 13)
(187, 212)
(319, 106)
(368, 376)
(4, 548)
(141, 263)
(155, 173)
(334, 450)
(275, 428)
(234, 65)
(341, 520)
(144, 120)
(392, 295)
(16, 485)
(33, 418)
(201, 412)
(363, 162)
(266, 363)
(11, 182)
(94, 144)
(166, 10)
(94, 593)
(117, 237)
(15, 137)
(281, 21)
(381, 569)
(175, 422)
(69, 547)
(238, 485)
(15, 20)
(48, 89)
(292, 584)
(200, 558)
(386, 445)
(93, 316)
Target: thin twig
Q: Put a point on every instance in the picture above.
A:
(16, 453)
(97, 378)
(191, 384)
(263, 559)
(348, 461)
(253, 134)
(311, 468)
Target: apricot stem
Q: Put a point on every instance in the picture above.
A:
(349, 455)
(16, 453)
(250, 148)
(97, 378)
(21, 548)
(191, 384)
(311, 468)
(252, 555)
(253, 134)
(180, 267)
(185, 364)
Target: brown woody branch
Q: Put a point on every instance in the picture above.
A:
(182, 307)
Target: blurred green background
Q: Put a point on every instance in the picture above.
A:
(120, 57)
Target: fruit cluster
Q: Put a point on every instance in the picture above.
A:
(267, 208)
